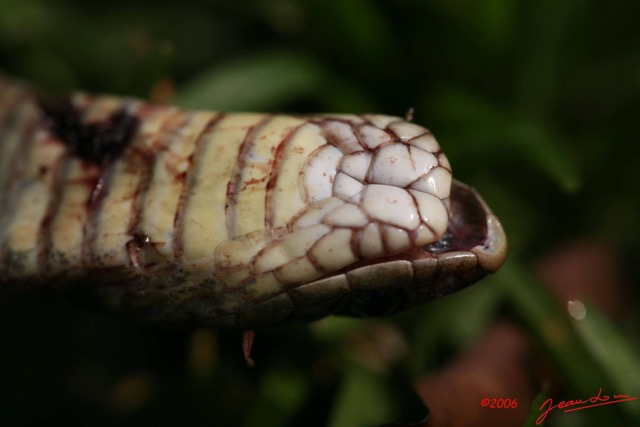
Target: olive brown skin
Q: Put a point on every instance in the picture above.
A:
(232, 219)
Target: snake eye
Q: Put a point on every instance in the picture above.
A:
(374, 303)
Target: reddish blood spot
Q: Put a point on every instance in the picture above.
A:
(253, 181)
(181, 177)
(247, 343)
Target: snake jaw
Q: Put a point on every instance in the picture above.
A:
(473, 246)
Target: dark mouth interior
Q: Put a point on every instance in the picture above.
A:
(467, 223)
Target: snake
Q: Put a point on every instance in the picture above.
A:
(242, 220)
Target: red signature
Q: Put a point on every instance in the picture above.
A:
(597, 400)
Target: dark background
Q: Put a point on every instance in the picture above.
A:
(535, 102)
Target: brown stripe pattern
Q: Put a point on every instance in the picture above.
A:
(168, 214)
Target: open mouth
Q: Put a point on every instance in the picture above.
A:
(473, 246)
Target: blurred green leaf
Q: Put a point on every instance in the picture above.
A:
(153, 66)
(24, 20)
(614, 353)
(254, 82)
(481, 126)
(363, 400)
(551, 326)
(493, 20)
(335, 328)
(357, 29)
(542, 65)
(450, 321)
(534, 408)
(281, 393)
(546, 152)
(49, 69)
(544, 318)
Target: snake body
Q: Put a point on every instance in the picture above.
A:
(232, 219)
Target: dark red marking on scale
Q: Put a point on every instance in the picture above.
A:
(276, 164)
(234, 187)
(45, 232)
(188, 179)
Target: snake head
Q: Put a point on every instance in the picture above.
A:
(381, 226)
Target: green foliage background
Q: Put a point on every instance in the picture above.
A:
(536, 104)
